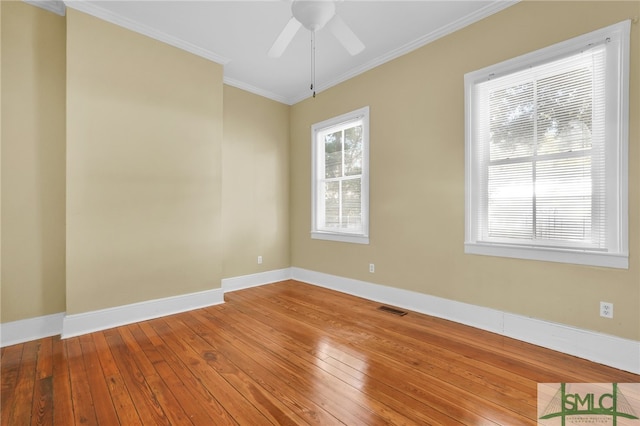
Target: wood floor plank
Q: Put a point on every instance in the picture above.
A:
(184, 395)
(200, 393)
(427, 389)
(25, 384)
(454, 336)
(287, 353)
(42, 410)
(178, 398)
(412, 351)
(120, 397)
(285, 304)
(483, 345)
(235, 377)
(166, 400)
(353, 371)
(62, 397)
(43, 402)
(256, 331)
(10, 365)
(282, 389)
(44, 365)
(146, 404)
(84, 412)
(235, 404)
(100, 395)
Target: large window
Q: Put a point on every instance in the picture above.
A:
(340, 178)
(546, 153)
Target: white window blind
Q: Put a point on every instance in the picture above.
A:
(546, 153)
(340, 178)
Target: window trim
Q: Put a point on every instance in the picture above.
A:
(348, 237)
(619, 258)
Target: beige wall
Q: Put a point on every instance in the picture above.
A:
(144, 138)
(33, 162)
(417, 177)
(158, 204)
(255, 183)
(0, 163)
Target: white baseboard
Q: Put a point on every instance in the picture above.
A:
(75, 325)
(609, 350)
(12, 333)
(613, 351)
(254, 280)
(88, 322)
(606, 349)
(21, 331)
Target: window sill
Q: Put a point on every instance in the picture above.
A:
(345, 238)
(578, 257)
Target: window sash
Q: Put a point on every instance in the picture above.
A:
(514, 208)
(343, 222)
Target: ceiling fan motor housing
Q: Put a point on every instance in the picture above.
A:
(313, 15)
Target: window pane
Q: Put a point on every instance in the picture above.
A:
(511, 122)
(510, 201)
(353, 151)
(563, 199)
(565, 111)
(351, 205)
(333, 155)
(332, 204)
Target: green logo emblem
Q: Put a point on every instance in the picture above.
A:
(588, 403)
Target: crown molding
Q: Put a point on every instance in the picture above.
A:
(91, 8)
(106, 15)
(256, 90)
(55, 6)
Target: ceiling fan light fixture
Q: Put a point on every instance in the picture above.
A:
(313, 15)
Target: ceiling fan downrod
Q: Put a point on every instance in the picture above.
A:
(313, 62)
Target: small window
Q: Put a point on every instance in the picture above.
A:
(340, 178)
(546, 153)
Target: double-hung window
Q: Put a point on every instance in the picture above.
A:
(340, 178)
(546, 153)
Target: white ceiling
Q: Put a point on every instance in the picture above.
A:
(238, 34)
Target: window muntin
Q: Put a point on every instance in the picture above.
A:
(340, 178)
(546, 153)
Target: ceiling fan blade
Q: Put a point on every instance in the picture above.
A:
(284, 38)
(343, 33)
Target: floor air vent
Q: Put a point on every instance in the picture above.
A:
(393, 311)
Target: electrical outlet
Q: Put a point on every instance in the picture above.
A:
(372, 268)
(259, 260)
(606, 310)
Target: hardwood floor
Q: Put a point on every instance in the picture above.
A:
(285, 354)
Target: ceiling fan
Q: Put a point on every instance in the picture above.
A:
(315, 15)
